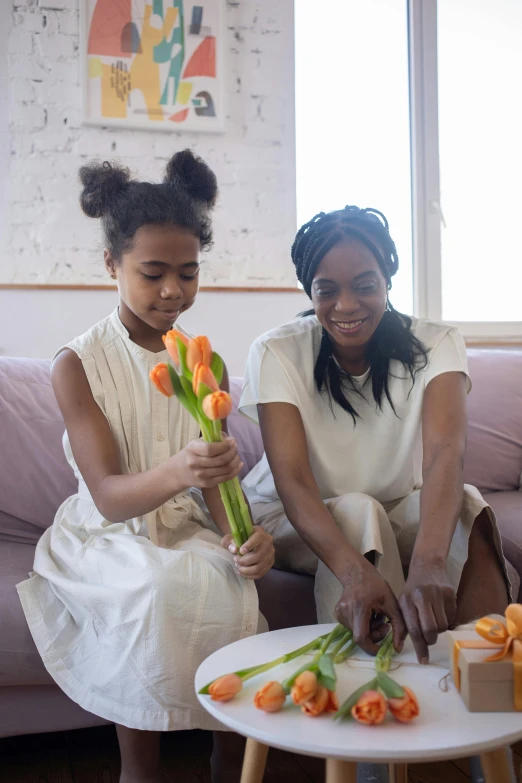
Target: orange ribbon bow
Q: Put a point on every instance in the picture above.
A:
(507, 636)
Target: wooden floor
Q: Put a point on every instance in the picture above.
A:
(91, 756)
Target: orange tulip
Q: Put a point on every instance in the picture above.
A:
(226, 687)
(332, 705)
(370, 709)
(217, 405)
(317, 704)
(160, 377)
(203, 374)
(304, 687)
(271, 697)
(170, 342)
(198, 350)
(404, 709)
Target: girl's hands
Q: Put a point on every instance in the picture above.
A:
(206, 465)
(256, 556)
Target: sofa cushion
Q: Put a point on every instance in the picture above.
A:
(34, 475)
(18, 531)
(247, 434)
(20, 663)
(494, 452)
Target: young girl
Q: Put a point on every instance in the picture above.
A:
(363, 417)
(122, 623)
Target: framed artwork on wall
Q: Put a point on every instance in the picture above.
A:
(153, 64)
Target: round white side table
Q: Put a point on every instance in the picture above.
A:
(445, 729)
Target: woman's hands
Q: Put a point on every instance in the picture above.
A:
(428, 603)
(256, 556)
(206, 465)
(426, 607)
(367, 599)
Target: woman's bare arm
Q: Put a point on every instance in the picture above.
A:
(364, 590)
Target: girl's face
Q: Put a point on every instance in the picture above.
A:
(158, 278)
(349, 294)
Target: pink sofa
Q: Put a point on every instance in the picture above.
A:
(35, 479)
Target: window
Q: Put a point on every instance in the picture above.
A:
(381, 83)
(352, 117)
(480, 144)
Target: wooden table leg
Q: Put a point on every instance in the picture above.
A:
(254, 762)
(497, 766)
(398, 773)
(338, 771)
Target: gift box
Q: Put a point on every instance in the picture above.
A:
(487, 662)
(485, 686)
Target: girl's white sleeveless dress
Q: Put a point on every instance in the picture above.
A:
(123, 613)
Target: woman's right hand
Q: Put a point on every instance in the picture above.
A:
(367, 599)
(206, 465)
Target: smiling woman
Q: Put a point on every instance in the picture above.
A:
(363, 415)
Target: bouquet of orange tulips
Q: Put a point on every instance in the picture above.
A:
(196, 385)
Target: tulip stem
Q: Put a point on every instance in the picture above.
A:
(237, 513)
(237, 499)
(332, 636)
(211, 431)
(346, 637)
(236, 533)
(243, 508)
(342, 656)
(246, 674)
(313, 665)
(385, 654)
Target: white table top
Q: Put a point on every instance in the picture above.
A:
(444, 729)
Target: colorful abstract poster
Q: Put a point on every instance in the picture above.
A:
(155, 65)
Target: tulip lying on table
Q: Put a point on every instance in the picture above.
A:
(196, 386)
(219, 689)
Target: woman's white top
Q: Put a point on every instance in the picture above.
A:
(381, 453)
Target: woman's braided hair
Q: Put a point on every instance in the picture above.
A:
(393, 339)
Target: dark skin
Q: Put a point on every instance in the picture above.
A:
(349, 294)
(157, 281)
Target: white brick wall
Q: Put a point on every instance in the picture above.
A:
(48, 240)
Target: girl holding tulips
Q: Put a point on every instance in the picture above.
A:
(363, 417)
(139, 580)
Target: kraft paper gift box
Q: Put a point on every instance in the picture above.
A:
(484, 686)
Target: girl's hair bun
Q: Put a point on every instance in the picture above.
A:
(102, 182)
(191, 174)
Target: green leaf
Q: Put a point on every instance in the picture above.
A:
(191, 397)
(326, 674)
(182, 352)
(203, 391)
(176, 384)
(217, 366)
(390, 688)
